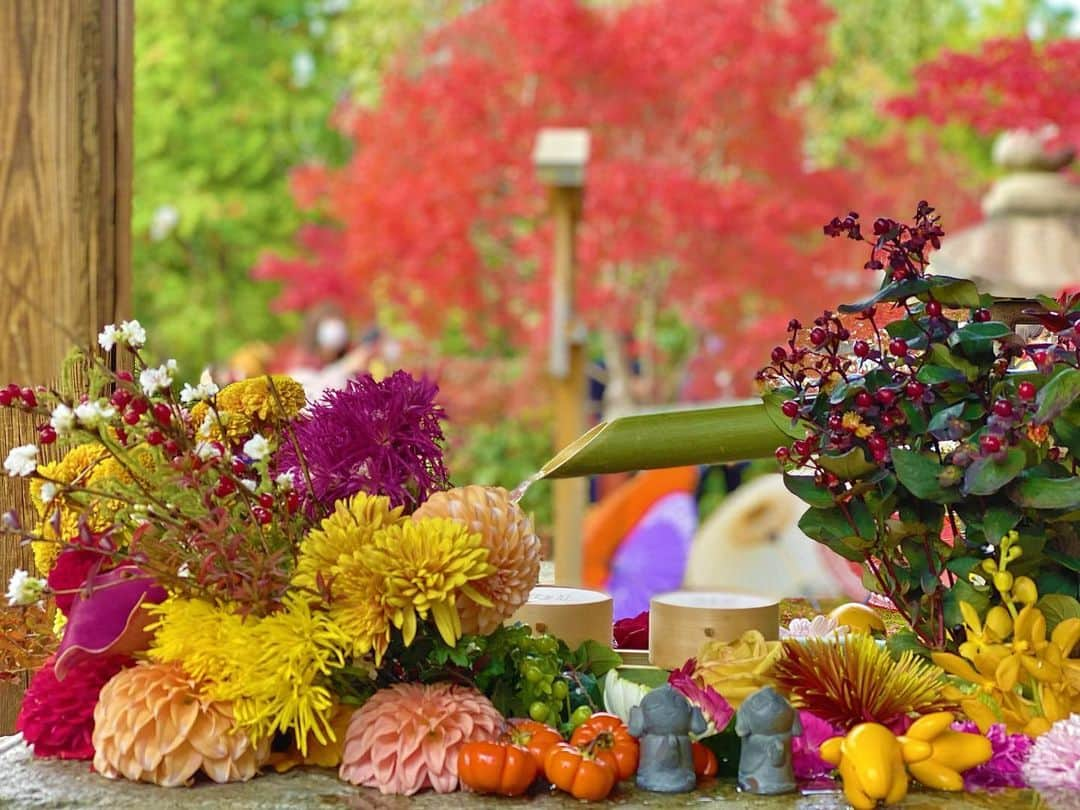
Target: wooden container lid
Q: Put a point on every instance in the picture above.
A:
(681, 621)
(572, 614)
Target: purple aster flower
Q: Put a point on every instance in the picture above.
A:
(805, 759)
(1054, 763)
(1005, 766)
(382, 438)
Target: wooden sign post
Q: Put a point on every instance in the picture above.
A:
(560, 156)
(65, 205)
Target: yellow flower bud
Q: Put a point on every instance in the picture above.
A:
(1003, 581)
(1024, 591)
(990, 566)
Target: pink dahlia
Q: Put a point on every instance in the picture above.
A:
(58, 718)
(1054, 761)
(1005, 767)
(406, 737)
(713, 705)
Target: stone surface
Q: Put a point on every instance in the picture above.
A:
(26, 783)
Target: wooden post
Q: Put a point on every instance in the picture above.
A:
(65, 204)
(560, 157)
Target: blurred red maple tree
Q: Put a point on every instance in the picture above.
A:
(701, 208)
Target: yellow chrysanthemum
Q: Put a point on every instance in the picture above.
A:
(244, 406)
(198, 635)
(272, 669)
(423, 565)
(350, 528)
(359, 606)
(88, 465)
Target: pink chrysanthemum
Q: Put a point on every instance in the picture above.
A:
(382, 438)
(1005, 767)
(805, 757)
(58, 718)
(1054, 761)
(406, 737)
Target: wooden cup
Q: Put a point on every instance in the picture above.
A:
(681, 621)
(572, 614)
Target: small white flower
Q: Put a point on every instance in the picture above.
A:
(183, 571)
(24, 589)
(285, 480)
(207, 451)
(200, 393)
(63, 420)
(821, 627)
(94, 414)
(133, 334)
(48, 492)
(165, 218)
(257, 447)
(107, 337)
(207, 423)
(157, 379)
(21, 460)
(248, 484)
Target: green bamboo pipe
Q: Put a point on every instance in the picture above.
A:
(671, 439)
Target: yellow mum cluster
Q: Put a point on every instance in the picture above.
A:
(245, 407)
(387, 572)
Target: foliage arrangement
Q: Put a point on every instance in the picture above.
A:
(936, 437)
(240, 572)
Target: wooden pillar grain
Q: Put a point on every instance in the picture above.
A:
(65, 202)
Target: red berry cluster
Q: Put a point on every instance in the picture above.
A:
(898, 248)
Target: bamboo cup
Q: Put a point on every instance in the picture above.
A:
(681, 621)
(572, 614)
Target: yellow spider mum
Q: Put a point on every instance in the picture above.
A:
(359, 605)
(349, 529)
(423, 565)
(245, 406)
(273, 669)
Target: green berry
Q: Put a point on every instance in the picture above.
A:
(538, 711)
(533, 674)
(559, 690)
(580, 715)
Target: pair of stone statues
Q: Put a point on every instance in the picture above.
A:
(664, 720)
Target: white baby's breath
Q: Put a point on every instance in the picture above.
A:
(62, 420)
(22, 460)
(93, 415)
(24, 589)
(108, 336)
(285, 480)
(157, 379)
(257, 447)
(133, 334)
(199, 393)
(48, 492)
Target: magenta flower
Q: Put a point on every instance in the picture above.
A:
(805, 758)
(1004, 769)
(713, 705)
(383, 438)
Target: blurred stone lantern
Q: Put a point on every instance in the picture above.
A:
(1029, 243)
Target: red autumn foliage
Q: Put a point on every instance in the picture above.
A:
(700, 202)
(1007, 84)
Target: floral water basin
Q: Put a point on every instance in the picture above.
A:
(30, 783)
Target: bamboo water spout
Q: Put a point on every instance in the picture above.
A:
(673, 439)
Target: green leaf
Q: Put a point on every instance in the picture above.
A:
(651, 677)
(903, 641)
(962, 591)
(904, 328)
(773, 400)
(977, 332)
(804, 487)
(939, 422)
(919, 473)
(999, 521)
(916, 417)
(893, 291)
(985, 476)
(935, 375)
(953, 292)
(596, 658)
(1047, 493)
(1062, 559)
(829, 527)
(940, 355)
(1056, 608)
(850, 465)
(1058, 394)
(1067, 433)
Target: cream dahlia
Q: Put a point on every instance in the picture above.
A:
(152, 725)
(513, 549)
(406, 737)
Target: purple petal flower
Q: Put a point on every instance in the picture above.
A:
(382, 438)
(1005, 766)
(107, 619)
(1054, 761)
(805, 759)
(713, 705)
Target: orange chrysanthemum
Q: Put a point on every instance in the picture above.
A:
(513, 550)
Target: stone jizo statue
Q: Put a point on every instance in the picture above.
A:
(663, 723)
(766, 722)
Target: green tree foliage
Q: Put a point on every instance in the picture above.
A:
(229, 95)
